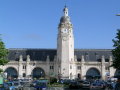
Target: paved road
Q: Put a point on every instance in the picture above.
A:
(57, 88)
(27, 87)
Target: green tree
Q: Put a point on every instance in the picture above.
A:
(116, 51)
(3, 54)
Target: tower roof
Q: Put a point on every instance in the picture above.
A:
(65, 18)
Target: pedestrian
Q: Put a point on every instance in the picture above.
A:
(117, 86)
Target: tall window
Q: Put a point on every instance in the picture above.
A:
(24, 75)
(78, 67)
(70, 67)
(87, 56)
(51, 67)
(96, 56)
(24, 66)
(106, 68)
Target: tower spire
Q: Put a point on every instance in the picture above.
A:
(65, 10)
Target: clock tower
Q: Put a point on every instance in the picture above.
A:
(65, 47)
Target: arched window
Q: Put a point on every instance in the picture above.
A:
(93, 73)
(11, 72)
(38, 73)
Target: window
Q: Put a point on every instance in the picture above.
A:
(79, 75)
(78, 67)
(24, 75)
(106, 60)
(51, 67)
(96, 56)
(106, 68)
(87, 56)
(70, 67)
(24, 66)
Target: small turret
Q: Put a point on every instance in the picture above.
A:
(103, 59)
(20, 58)
(48, 58)
(28, 58)
(110, 60)
(82, 60)
(65, 10)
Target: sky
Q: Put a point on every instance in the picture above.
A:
(34, 23)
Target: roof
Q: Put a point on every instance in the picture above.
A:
(93, 54)
(41, 54)
(35, 54)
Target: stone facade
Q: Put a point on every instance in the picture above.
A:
(65, 62)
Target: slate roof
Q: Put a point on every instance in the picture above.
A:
(93, 54)
(35, 54)
(41, 54)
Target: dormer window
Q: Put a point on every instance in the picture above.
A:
(87, 56)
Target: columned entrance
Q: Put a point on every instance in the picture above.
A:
(38, 73)
(93, 73)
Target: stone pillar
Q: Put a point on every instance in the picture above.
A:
(20, 67)
(111, 69)
(103, 73)
(28, 70)
(82, 67)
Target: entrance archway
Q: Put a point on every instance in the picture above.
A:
(93, 73)
(38, 73)
(11, 72)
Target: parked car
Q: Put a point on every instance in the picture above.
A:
(9, 86)
(67, 81)
(41, 86)
(86, 84)
(111, 84)
(98, 85)
(74, 85)
(80, 82)
(33, 83)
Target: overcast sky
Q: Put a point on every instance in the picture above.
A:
(33, 23)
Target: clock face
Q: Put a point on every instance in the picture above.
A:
(65, 31)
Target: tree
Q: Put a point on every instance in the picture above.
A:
(3, 54)
(116, 51)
